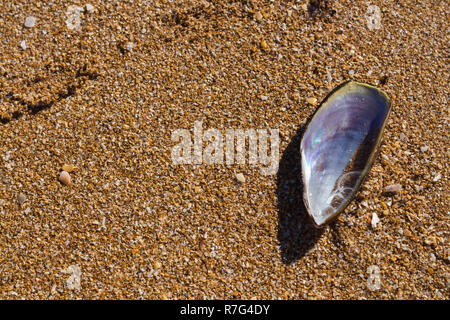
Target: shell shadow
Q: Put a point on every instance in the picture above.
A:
(296, 232)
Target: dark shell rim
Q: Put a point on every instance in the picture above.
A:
(369, 162)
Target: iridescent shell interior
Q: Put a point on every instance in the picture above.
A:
(338, 147)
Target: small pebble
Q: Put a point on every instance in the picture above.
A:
(393, 189)
(23, 45)
(424, 148)
(375, 220)
(240, 177)
(264, 98)
(89, 7)
(258, 16)
(30, 22)
(21, 198)
(73, 21)
(351, 72)
(65, 178)
(264, 45)
(312, 101)
(437, 177)
(329, 77)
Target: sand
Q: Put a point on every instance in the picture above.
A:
(102, 89)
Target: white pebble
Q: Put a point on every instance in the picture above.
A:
(30, 22)
(23, 45)
(351, 72)
(432, 257)
(240, 177)
(375, 220)
(329, 77)
(65, 178)
(89, 7)
(73, 21)
(264, 98)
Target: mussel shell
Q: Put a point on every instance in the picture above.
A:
(339, 146)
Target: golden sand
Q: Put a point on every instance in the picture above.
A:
(102, 88)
